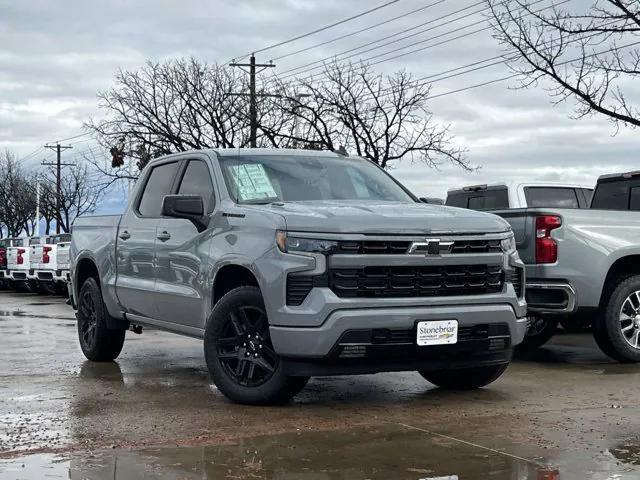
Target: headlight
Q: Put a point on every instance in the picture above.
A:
(508, 244)
(290, 244)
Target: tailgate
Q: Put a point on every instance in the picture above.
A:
(62, 256)
(36, 256)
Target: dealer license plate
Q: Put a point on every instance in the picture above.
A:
(437, 332)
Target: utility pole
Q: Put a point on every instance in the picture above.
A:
(253, 101)
(58, 149)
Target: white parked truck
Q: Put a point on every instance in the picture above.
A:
(50, 262)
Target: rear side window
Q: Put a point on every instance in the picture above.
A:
(158, 185)
(611, 196)
(490, 199)
(34, 241)
(197, 181)
(551, 197)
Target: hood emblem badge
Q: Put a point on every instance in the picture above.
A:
(430, 247)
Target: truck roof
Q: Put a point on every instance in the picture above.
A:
(617, 176)
(492, 186)
(291, 152)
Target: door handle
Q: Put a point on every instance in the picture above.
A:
(164, 236)
(125, 235)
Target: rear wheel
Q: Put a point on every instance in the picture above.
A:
(239, 353)
(617, 330)
(540, 331)
(464, 378)
(98, 343)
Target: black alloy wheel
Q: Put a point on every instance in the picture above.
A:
(244, 348)
(89, 315)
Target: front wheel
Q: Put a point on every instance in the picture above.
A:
(98, 343)
(240, 356)
(464, 378)
(617, 330)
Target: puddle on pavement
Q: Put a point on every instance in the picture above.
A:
(390, 452)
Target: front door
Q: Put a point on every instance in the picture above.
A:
(182, 253)
(135, 252)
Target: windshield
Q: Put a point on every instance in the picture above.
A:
(265, 179)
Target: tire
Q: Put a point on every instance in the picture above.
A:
(617, 328)
(231, 348)
(464, 378)
(98, 343)
(540, 331)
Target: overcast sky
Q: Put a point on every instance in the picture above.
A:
(54, 56)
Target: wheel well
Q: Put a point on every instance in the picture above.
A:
(621, 268)
(230, 277)
(86, 269)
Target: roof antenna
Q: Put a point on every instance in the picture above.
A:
(341, 151)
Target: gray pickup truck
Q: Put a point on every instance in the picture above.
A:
(291, 264)
(583, 264)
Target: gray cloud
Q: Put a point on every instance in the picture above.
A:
(55, 56)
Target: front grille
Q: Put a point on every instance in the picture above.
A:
(395, 336)
(401, 343)
(416, 281)
(515, 278)
(476, 246)
(372, 247)
(390, 247)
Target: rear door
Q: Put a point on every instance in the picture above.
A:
(180, 252)
(135, 254)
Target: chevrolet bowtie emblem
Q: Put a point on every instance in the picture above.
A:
(431, 246)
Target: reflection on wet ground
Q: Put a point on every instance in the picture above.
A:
(155, 414)
(374, 453)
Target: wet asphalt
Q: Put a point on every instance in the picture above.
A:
(563, 412)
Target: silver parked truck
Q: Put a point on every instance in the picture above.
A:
(290, 264)
(583, 264)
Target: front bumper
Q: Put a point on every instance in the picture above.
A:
(322, 342)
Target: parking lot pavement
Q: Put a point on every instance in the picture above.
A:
(564, 412)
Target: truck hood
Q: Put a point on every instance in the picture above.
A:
(383, 218)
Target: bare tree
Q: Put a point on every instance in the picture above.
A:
(382, 118)
(17, 196)
(591, 57)
(187, 104)
(80, 193)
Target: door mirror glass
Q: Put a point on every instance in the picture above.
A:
(189, 207)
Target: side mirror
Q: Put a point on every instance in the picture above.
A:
(189, 207)
(432, 200)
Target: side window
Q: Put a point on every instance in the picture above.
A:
(197, 181)
(634, 199)
(158, 185)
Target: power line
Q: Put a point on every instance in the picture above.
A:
(317, 30)
(367, 44)
(72, 138)
(566, 62)
(448, 40)
(356, 32)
